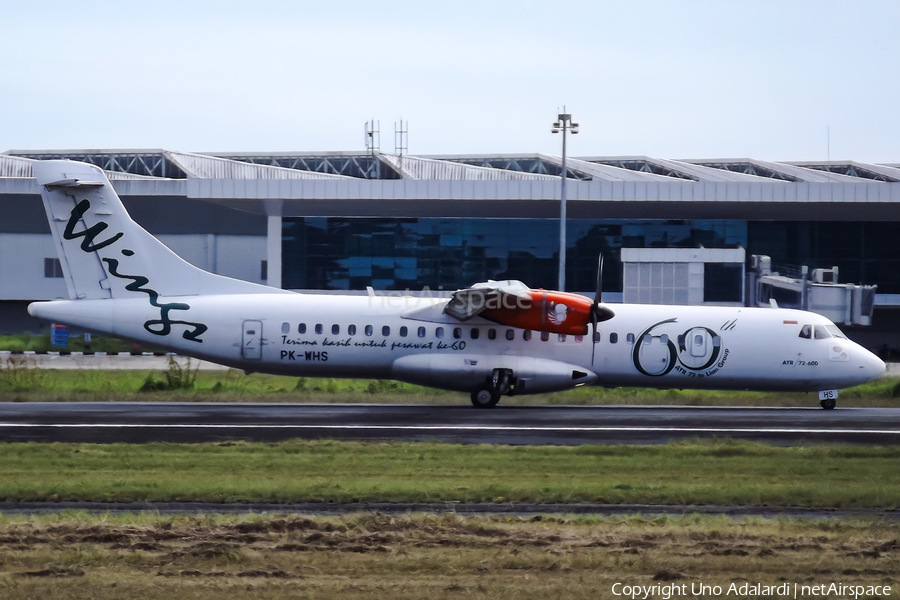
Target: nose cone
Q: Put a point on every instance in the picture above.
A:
(878, 367)
(870, 365)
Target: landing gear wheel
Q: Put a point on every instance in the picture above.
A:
(828, 403)
(485, 396)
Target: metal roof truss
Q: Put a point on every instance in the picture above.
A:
(138, 163)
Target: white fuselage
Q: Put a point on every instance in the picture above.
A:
(410, 339)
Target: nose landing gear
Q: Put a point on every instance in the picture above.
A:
(488, 394)
(828, 399)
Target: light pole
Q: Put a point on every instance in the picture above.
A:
(564, 123)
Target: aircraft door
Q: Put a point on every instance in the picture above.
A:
(698, 348)
(655, 354)
(251, 340)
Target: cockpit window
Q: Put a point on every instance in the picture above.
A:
(806, 332)
(822, 333)
(833, 330)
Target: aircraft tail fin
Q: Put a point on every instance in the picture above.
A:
(104, 253)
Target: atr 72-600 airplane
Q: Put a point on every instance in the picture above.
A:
(493, 339)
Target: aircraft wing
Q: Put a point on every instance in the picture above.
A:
(473, 301)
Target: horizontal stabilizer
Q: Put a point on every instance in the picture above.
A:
(73, 183)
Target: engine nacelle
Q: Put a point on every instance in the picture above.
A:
(556, 312)
(463, 372)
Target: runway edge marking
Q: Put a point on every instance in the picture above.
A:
(514, 428)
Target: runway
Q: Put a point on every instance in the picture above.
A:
(106, 422)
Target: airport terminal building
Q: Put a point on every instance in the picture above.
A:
(348, 220)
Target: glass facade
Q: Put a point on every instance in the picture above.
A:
(346, 253)
(723, 282)
(349, 253)
(865, 252)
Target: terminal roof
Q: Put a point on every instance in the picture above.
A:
(167, 164)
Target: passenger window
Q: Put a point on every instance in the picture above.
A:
(806, 332)
(596, 337)
(629, 338)
(439, 332)
(403, 331)
(474, 333)
(335, 329)
(421, 332)
(369, 330)
(664, 338)
(301, 328)
(285, 328)
(562, 337)
(526, 335)
(385, 331)
(351, 329)
(492, 334)
(822, 333)
(510, 334)
(613, 338)
(545, 335)
(579, 338)
(457, 332)
(318, 328)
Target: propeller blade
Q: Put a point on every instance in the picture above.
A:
(598, 293)
(599, 312)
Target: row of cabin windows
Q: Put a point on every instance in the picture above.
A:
(474, 333)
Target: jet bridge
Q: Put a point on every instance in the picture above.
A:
(817, 290)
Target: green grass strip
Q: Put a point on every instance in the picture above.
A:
(714, 472)
(22, 381)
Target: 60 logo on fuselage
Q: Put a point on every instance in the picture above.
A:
(656, 353)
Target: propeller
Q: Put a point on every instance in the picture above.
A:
(599, 313)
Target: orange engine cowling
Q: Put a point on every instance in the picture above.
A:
(555, 312)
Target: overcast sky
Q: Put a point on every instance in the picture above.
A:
(664, 78)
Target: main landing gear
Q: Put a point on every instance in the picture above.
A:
(487, 394)
(484, 396)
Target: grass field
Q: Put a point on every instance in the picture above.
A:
(703, 472)
(41, 343)
(21, 381)
(418, 556)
